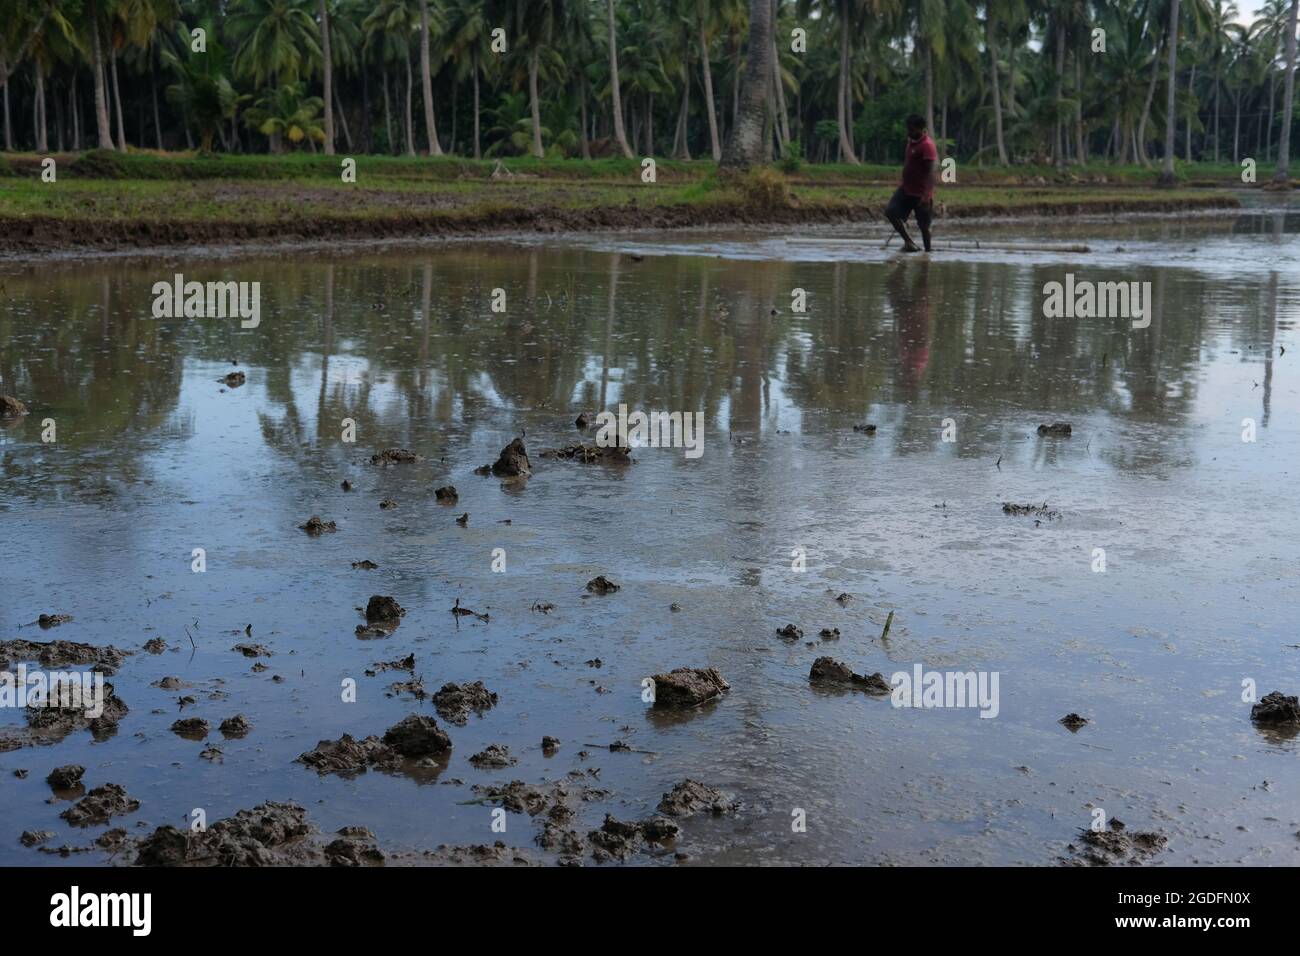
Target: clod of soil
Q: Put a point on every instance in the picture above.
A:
(58, 721)
(602, 585)
(193, 727)
(591, 454)
(789, 632)
(155, 645)
(315, 526)
(455, 701)
(393, 456)
(388, 504)
(829, 634)
(383, 608)
(550, 745)
(345, 485)
(494, 756)
(267, 835)
(583, 420)
(406, 663)
(513, 461)
(617, 839)
(1056, 429)
(446, 495)
(690, 797)
(1275, 709)
(234, 379)
(10, 407)
(99, 805)
(365, 565)
(237, 726)
(65, 777)
(353, 852)
(349, 756)
(827, 670)
(252, 650)
(688, 687)
(35, 837)
(867, 429)
(1038, 511)
(168, 683)
(844, 599)
(55, 654)
(1116, 845)
(47, 621)
(1073, 721)
(417, 736)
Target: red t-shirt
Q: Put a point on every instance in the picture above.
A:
(918, 160)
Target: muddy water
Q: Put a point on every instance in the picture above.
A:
(155, 457)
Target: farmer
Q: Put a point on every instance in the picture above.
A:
(916, 192)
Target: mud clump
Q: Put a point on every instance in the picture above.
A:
(99, 805)
(513, 461)
(351, 851)
(47, 621)
(393, 456)
(1073, 722)
(1116, 845)
(234, 379)
(155, 645)
(691, 797)
(550, 745)
(269, 834)
(66, 777)
(388, 504)
(10, 407)
(364, 565)
(383, 609)
(789, 632)
(493, 757)
(315, 526)
(252, 650)
(406, 663)
(688, 687)
(54, 654)
(348, 755)
(1041, 512)
(455, 701)
(583, 420)
(867, 429)
(602, 585)
(32, 838)
(590, 454)
(57, 720)
(237, 726)
(829, 634)
(617, 839)
(1276, 709)
(827, 670)
(196, 728)
(417, 736)
(1056, 430)
(446, 495)
(168, 683)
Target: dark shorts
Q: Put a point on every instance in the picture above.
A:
(901, 205)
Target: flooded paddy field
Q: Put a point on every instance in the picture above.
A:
(788, 516)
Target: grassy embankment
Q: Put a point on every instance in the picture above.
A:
(113, 201)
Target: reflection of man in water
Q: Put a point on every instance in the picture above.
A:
(910, 303)
(916, 192)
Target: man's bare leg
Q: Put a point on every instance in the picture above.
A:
(901, 228)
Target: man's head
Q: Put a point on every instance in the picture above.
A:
(915, 126)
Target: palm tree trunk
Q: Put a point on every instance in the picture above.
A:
(38, 111)
(1081, 141)
(1171, 98)
(746, 146)
(714, 143)
(117, 98)
(1272, 91)
(845, 96)
(616, 101)
(1218, 106)
(153, 89)
(410, 118)
(343, 122)
(327, 70)
(990, 41)
(426, 81)
(1139, 141)
(534, 57)
(9, 130)
(1191, 87)
(782, 115)
(478, 152)
(649, 124)
(101, 96)
(1236, 131)
(582, 119)
(1060, 79)
(1283, 173)
(929, 84)
(388, 115)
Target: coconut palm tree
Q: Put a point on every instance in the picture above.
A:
(1282, 175)
(746, 145)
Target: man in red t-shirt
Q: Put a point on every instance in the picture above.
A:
(916, 192)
